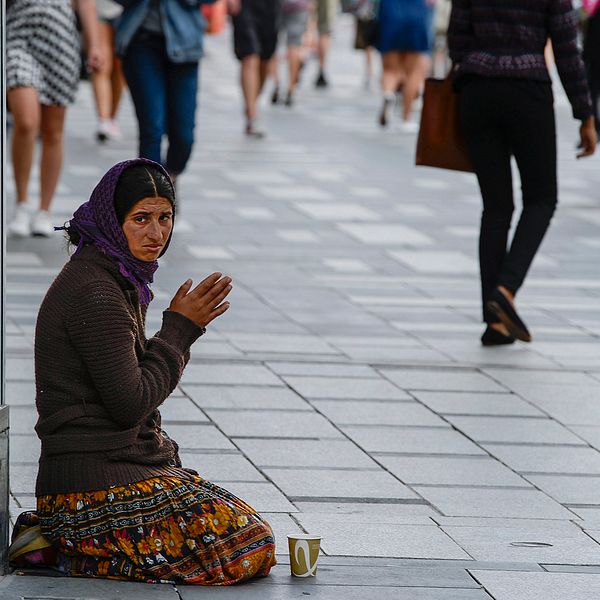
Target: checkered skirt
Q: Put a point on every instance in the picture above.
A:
(43, 49)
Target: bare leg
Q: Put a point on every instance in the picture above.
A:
(416, 67)
(274, 73)
(250, 84)
(323, 49)
(263, 75)
(390, 80)
(118, 85)
(25, 107)
(101, 79)
(392, 75)
(53, 121)
(369, 63)
(294, 67)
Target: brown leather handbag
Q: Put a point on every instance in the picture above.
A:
(440, 142)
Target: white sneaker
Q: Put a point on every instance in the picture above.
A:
(409, 127)
(41, 224)
(20, 226)
(115, 130)
(104, 130)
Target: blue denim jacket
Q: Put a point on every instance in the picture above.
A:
(182, 24)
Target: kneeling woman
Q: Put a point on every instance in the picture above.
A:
(112, 495)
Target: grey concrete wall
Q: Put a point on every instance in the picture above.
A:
(3, 487)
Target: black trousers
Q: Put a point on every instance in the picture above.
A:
(591, 56)
(502, 118)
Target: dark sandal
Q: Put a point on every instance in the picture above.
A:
(492, 337)
(499, 305)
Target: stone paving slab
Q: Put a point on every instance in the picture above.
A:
(415, 440)
(322, 369)
(227, 374)
(527, 545)
(366, 511)
(514, 430)
(519, 503)
(225, 467)
(65, 588)
(457, 403)
(198, 437)
(359, 485)
(389, 575)
(245, 397)
(569, 489)
(343, 592)
(278, 424)
(346, 389)
(334, 453)
(400, 541)
(342, 412)
(452, 471)
(415, 379)
(531, 586)
(548, 459)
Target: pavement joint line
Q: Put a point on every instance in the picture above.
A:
(360, 500)
(225, 451)
(283, 437)
(537, 444)
(394, 426)
(244, 409)
(433, 455)
(564, 475)
(454, 486)
(318, 468)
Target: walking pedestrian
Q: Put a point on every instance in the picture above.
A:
(113, 498)
(160, 43)
(255, 28)
(405, 41)
(365, 38)
(591, 55)
(294, 21)
(42, 74)
(326, 14)
(506, 109)
(108, 81)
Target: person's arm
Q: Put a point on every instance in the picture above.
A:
(103, 331)
(89, 23)
(562, 29)
(460, 30)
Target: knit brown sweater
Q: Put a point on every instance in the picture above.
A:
(99, 381)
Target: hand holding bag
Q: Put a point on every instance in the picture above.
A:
(440, 142)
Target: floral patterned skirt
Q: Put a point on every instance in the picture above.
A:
(164, 529)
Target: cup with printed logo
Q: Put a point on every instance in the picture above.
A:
(304, 553)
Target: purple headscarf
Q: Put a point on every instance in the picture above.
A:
(96, 222)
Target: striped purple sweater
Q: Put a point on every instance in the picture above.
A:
(506, 38)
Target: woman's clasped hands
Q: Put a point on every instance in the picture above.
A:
(204, 303)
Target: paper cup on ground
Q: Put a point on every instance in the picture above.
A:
(304, 553)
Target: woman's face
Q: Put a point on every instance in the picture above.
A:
(147, 227)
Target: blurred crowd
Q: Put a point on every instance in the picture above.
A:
(153, 48)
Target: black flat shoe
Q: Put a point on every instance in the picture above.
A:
(492, 337)
(499, 305)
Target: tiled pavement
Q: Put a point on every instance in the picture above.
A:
(346, 393)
